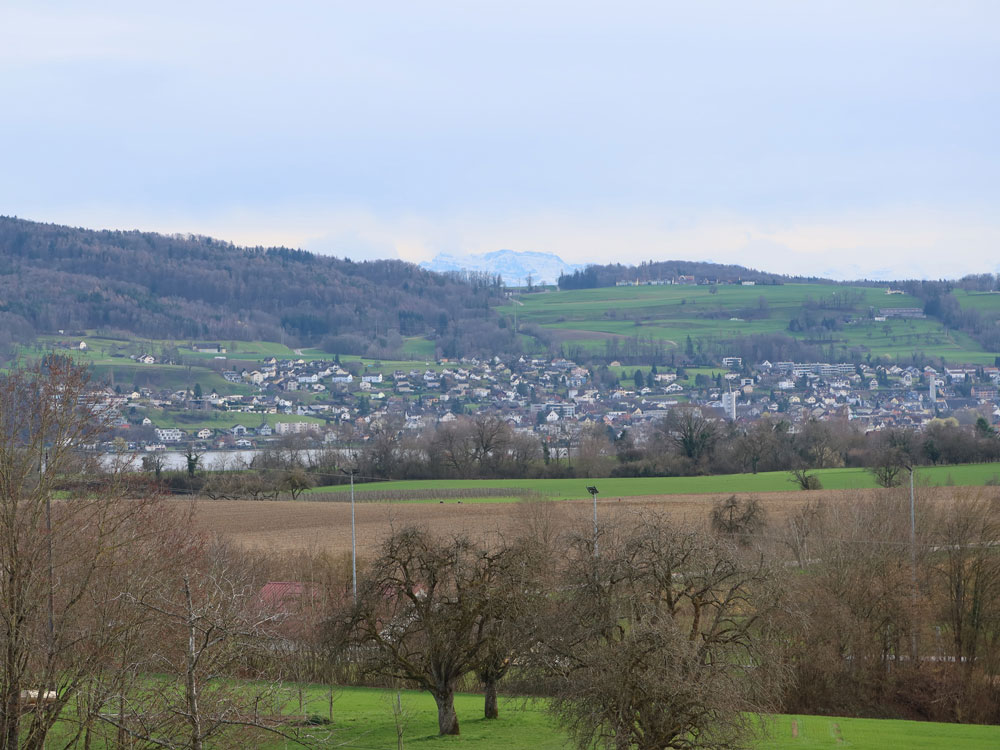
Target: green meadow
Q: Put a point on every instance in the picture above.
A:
(975, 475)
(219, 420)
(988, 303)
(589, 317)
(363, 719)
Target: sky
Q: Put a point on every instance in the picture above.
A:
(843, 139)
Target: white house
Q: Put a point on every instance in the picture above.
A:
(290, 428)
(169, 434)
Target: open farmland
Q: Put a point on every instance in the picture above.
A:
(326, 526)
(772, 481)
(589, 317)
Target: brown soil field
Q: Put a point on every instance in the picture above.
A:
(326, 526)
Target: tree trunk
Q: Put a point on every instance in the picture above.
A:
(193, 710)
(11, 716)
(491, 711)
(447, 718)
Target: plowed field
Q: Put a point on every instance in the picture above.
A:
(302, 525)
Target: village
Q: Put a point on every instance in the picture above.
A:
(551, 398)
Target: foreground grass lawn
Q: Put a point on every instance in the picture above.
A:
(974, 475)
(832, 731)
(363, 719)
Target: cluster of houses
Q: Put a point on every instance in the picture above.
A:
(553, 398)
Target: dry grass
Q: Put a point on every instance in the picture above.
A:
(288, 525)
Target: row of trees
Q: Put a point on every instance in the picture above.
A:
(607, 275)
(686, 442)
(689, 442)
(649, 641)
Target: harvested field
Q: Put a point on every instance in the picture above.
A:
(303, 525)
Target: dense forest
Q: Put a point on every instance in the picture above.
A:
(56, 277)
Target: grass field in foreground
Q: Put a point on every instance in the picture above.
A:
(975, 475)
(363, 720)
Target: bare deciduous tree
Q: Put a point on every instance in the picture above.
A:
(690, 433)
(62, 556)
(427, 612)
(805, 480)
(209, 676)
(739, 520)
(966, 572)
(657, 643)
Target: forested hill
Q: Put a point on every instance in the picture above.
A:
(595, 276)
(56, 277)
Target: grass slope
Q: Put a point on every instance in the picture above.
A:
(588, 317)
(775, 481)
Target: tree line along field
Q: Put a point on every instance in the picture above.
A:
(363, 719)
(589, 317)
(973, 475)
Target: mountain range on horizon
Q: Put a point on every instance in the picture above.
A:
(513, 265)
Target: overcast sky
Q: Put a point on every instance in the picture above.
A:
(846, 139)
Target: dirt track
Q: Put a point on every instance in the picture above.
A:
(287, 525)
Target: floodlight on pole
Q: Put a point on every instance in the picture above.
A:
(593, 493)
(354, 540)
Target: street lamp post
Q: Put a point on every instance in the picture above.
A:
(593, 493)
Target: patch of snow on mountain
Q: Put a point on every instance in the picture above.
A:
(513, 266)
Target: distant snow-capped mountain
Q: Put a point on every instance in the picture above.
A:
(513, 266)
